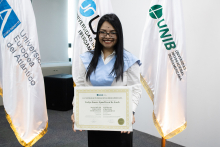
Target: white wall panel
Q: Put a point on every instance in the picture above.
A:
(52, 25)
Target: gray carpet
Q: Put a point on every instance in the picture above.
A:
(60, 134)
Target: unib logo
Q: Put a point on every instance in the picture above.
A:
(99, 94)
(88, 8)
(156, 12)
(8, 19)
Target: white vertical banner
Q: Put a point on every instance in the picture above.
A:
(88, 15)
(21, 76)
(164, 72)
(1, 94)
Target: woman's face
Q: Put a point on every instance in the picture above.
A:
(107, 36)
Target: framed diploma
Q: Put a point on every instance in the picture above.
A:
(103, 108)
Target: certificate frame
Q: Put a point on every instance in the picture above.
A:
(127, 90)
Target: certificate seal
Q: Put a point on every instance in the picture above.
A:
(121, 121)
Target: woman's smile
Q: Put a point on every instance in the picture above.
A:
(108, 41)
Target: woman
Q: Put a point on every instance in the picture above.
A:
(110, 65)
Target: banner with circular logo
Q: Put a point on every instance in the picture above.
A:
(88, 8)
(163, 70)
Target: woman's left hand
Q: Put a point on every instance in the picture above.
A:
(133, 121)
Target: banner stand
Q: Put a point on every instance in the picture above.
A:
(163, 142)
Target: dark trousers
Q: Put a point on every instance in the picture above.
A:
(109, 139)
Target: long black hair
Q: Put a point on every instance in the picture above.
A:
(119, 47)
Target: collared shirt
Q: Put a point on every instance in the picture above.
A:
(109, 58)
(131, 77)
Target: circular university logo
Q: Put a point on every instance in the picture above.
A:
(88, 8)
(156, 11)
(121, 121)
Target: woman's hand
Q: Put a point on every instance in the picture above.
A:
(73, 120)
(133, 121)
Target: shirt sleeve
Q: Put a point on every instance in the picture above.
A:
(80, 79)
(133, 79)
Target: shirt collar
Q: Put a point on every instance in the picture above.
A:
(102, 54)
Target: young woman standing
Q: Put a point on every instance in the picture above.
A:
(110, 65)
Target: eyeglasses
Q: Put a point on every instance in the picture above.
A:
(112, 34)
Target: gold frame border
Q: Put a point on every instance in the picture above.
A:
(20, 140)
(156, 123)
(103, 91)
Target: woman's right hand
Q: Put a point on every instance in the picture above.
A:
(73, 120)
